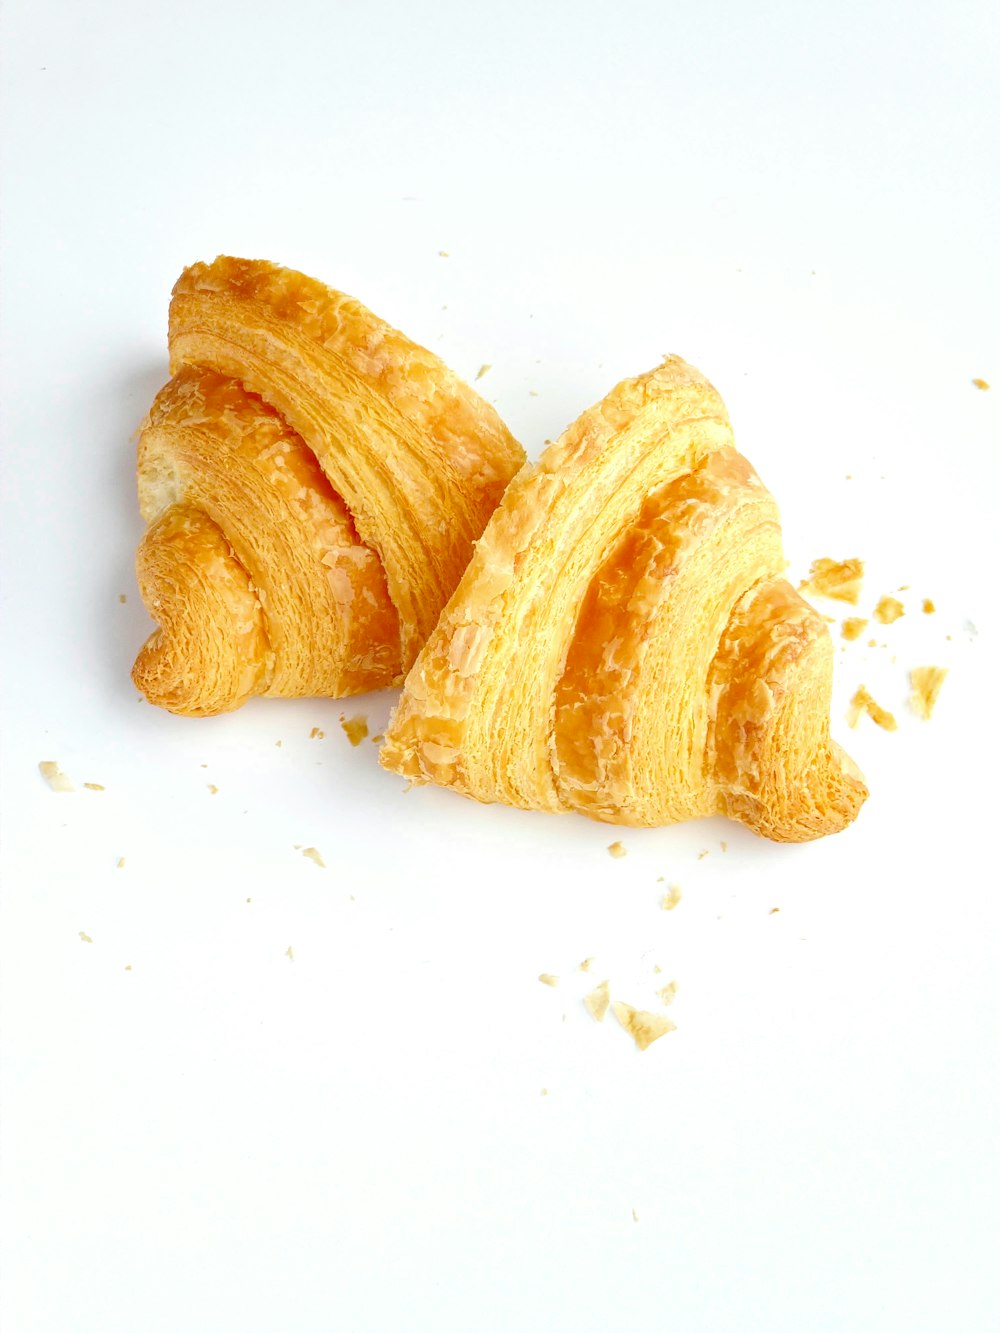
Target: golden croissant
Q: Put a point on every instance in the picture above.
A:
(313, 483)
(623, 642)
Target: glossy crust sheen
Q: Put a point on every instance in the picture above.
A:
(314, 482)
(623, 642)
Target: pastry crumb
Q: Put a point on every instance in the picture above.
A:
(926, 682)
(852, 627)
(484, 369)
(314, 856)
(213, 788)
(980, 383)
(355, 728)
(864, 703)
(545, 1092)
(702, 854)
(128, 967)
(94, 786)
(278, 744)
(635, 1216)
(837, 579)
(928, 607)
(586, 965)
(120, 863)
(671, 898)
(668, 993)
(888, 610)
(642, 1026)
(444, 254)
(54, 776)
(774, 910)
(290, 954)
(547, 979)
(85, 937)
(317, 734)
(617, 850)
(597, 1001)
(724, 846)
(377, 739)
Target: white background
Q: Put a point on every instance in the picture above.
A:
(800, 198)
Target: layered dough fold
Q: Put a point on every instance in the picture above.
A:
(623, 642)
(313, 481)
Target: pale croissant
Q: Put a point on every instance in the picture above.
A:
(624, 644)
(314, 482)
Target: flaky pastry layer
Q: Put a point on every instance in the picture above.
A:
(623, 642)
(313, 481)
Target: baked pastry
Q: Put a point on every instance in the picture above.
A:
(313, 482)
(624, 643)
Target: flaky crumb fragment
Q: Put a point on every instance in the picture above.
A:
(120, 863)
(864, 703)
(928, 607)
(547, 979)
(213, 789)
(597, 1001)
(980, 383)
(314, 855)
(85, 937)
(671, 898)
(94, 786)
(838, 579)
(317, 734)
(290, 954)
(122, 598)
(355, 728)
(888, 610)
(484, 369)
(926, 682)
(635, 1216)
(668, 993)
(853, 627)
(617, 850)
(54, 776)
(642, 1026)
(586, 965)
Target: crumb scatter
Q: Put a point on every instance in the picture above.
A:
(355, 728)
(314, 856)
(928, 607)
(94, 786)
(671, 898)
(643, 1026)
(981, 383)
(596, 1001)
(837, 579)
(617, 850)
(668, 993)
(852, 627)
(888, 610)
(926, 682)
(862, 702)
(54, 776)
(548, 979)
(85, 937)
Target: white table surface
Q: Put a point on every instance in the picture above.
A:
(397, 1127)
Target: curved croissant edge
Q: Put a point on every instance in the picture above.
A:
(313, 481)
(623, 643)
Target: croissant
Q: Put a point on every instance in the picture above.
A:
(313, 483)
(623, 643)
